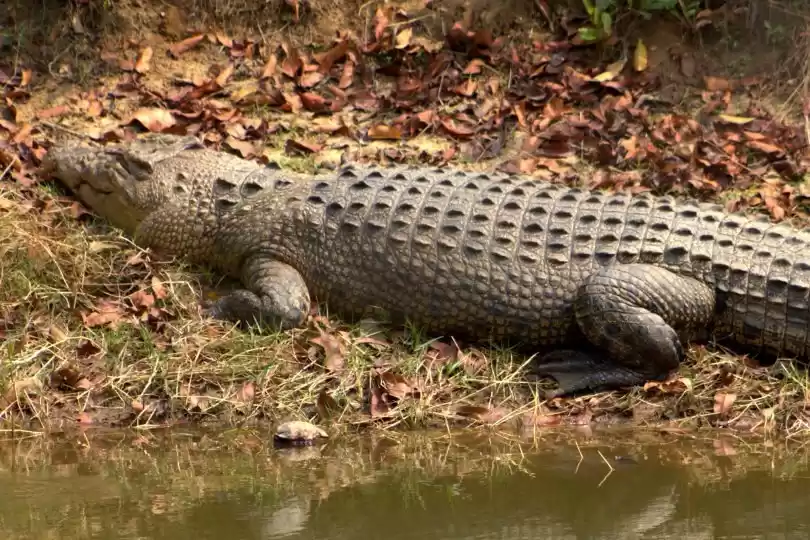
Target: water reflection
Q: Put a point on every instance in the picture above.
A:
(233, 486)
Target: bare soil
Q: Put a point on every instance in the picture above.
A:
(98, 332)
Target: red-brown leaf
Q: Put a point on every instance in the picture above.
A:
(379, 407)
(292, 63)
(246, 149)
(717, 84)
(53, 112)
(294, 147)
(456, 128)
(396, 385)
(347, 76)
(385, 132)
(764, 147)
(179, 48)
(328, 59)
(154, 119)
(142, 299)
(380, 24)
(142, 65)
(723, 403)
(334, 357)
(107, 313)
(487, 415)
(224, 75)
(310, 79)
(475, 67)
(269, 69)
(314, 102)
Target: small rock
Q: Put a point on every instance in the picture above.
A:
(298, 433)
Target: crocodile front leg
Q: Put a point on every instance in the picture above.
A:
(638, 315)
(275, 295)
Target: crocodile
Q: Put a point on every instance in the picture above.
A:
(606, 288)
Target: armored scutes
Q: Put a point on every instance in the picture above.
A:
(611, 285)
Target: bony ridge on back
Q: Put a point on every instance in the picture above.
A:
(609, 287)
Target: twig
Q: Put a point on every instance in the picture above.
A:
(605, 460)
(65, 129)
(608, 464)
(10, 165)
(807, 128)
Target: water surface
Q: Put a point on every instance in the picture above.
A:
(232, 485)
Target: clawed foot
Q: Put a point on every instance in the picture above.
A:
(244, 308)
(578, 372)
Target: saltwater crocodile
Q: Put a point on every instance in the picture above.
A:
(609, 286)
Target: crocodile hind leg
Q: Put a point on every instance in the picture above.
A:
(275, 295)
(637, 316)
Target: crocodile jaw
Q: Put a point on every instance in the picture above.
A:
(102, 180)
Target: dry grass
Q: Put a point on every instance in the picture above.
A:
(147, 367)
(151, 365)
(84, 345)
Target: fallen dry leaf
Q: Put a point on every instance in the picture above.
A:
(53, 112)
(764, 147)
(142, 64)
(731, 119)
(246, 149)
(717, 84)
(457, 128)
(334, 356)
(179, 48)
(487, 415)
(106, 313)
(158, 289)
(396, 385)
(314, 102)
(292, 62)
(328, 59)
(154, 119)
(640, 56)
(403, 38)
(379, 406)
(677, 385)
(225, 75)
(723, 403)
(475, 67)
(380, 23)
(385, 132)
(294, 147)
(270, 66)
(246, 393)
(95, 108)
(612, 71)
(142, 299)
(310, 79)
(224, 40)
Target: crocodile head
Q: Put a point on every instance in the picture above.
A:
(117, 182)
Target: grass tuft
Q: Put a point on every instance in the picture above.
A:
(98, 332)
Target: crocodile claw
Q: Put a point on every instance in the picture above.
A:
(578, 372)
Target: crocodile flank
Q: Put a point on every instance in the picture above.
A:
(609, 287)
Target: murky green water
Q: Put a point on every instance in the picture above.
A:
(232, 486)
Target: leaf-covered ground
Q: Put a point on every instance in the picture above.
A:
(98, 332)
